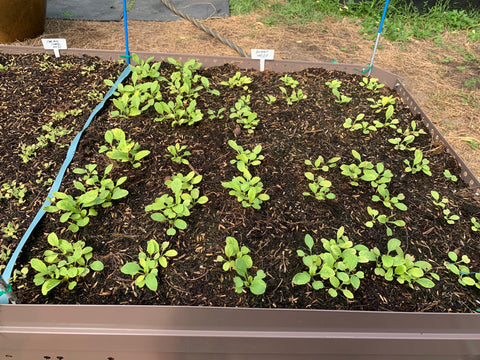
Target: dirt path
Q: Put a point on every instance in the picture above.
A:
(444, 79)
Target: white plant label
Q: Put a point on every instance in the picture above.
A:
(55, 45)
(262, 55)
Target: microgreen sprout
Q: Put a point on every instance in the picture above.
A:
(248, 190)
(13, 191)
(238, 259)
(172, 209)
(475, 224)
(245, 158)
(358, 124)
(408, 136)
(10, 230)
(442, 203)
(419, 164)
(319, 187)
(238, 80)
(178, 153)
(448, 175)
(338, 265)
(383, 103)
(295, 96)
(383, 219)
(334, 85)
(148, 263)
(121, 149)
(320, 164)
(65, 263)
(244, 115)
(403, 267)
(387, 200)
(371, 84)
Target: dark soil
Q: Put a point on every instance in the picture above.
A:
(288, 135)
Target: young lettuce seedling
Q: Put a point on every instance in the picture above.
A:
(148, 263)
(124, 150)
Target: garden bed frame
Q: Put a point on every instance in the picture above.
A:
(117, 332)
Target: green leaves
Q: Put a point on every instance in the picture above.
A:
(403, 267)
(242, 112)
(147, 266)
(238, 260)
(66, 262)
(419, 164)
(337, 265)
(124, 150)
(173, 208)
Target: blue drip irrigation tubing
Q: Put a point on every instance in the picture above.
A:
(58, 181)
(127, 50)
(378, 35)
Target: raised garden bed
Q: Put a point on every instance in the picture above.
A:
(289, 135)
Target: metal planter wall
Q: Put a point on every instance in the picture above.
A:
(116, 332)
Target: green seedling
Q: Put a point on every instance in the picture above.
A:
(320, 164)
(12, 191)
(172, 209)
(248, 190)
(148, 263)
(459, 267)
(387, 200)
(448, 175)
(5, 253)
(419, 164)
(67, 262)
(383, 219)
(403, 267)
(334, 85)
(408, 136)
(218, 115)
(337, 265)
(319, 187)
(179, 112)
(144, 69)
(238, 259)
(358, 124)
(243, 114)
(289, 81)
(389, 121)
(475, 224)
(442, 203)
(295, 96)
(246, 158)
(371, 84)
(366, 171)
(10, 230)
(383, 103)
(121, 149)
(178, 153)
(237, 81)
(270, 99)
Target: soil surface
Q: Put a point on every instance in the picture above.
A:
(38, 88)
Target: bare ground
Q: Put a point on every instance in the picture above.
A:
(436, 75)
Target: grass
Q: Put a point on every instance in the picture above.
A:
(403, 21)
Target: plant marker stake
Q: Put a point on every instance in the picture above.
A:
(262, 55)
(55, 45)
(378, 35)
(127, 51)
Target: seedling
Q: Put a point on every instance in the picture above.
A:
(172, 209)
(319, 187)
(289, 81)
(442, 203)
(148, 263)
(358, 124)
(403, 267)
(295, 96)
(371, 84)
(67, 262)
(248, 190)
(408, 136)
(338, 265)
(121, 149)
(246, 158)
(383, 219)
(475, 224)
(388, 201)
(270, 99)
(419, 164)
(238, 260)
(448, 175)
(383, 103)
(178, 153)
(10, 230)
(320, 164)
(459, 267)
(237, 81)
(242, 112)
(366, 171)
(11, 191)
